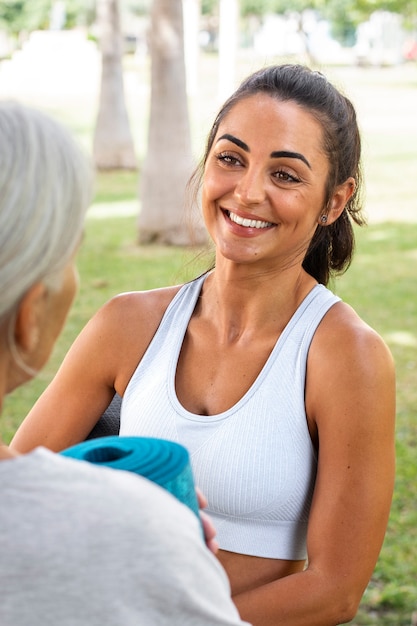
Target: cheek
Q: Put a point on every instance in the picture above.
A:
(216, 182)
(209, 188)
(209, 195)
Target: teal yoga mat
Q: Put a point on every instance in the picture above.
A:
(165, 463)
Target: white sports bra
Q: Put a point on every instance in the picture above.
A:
(255, 462)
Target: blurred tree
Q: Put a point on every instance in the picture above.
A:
(208, 6)
(344, 15)
(169, 163)
(406, 8)
(343, 18)
(17, 16)
(113, 146)
(79, 12)
(366, 7)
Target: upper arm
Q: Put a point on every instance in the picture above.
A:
(101, 361)
(350, 397)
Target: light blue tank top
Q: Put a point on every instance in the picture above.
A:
(255, 462)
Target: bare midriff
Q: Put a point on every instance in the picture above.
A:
(248, 572)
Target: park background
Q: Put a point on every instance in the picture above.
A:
(59, 71)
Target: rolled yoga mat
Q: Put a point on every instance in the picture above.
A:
(165, 463)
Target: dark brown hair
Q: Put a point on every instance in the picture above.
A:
(331, 248)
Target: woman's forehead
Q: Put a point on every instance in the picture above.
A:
(262, 117)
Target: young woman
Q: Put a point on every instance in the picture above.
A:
(284, 397)
(79, 544)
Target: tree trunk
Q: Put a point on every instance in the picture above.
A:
(169, 163)
(113, 146)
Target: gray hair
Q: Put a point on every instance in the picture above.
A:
(45, 190)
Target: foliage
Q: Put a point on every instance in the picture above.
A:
(344, 15)
(359, 9)
(23, 15)
(18, 16)
(404, 7)
(28, 15)
(208, 7)
(79, 12)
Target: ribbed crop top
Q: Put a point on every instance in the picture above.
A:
(255, 462)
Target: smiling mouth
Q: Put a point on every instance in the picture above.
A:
(246, 222)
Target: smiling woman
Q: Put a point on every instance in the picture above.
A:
(283, 396)
(330, 249)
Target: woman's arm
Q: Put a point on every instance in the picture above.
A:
(101, 361)
(350, 400)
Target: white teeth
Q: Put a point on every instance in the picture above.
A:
(248, 223)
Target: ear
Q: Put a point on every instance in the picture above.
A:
(29, 317)
(339, 200)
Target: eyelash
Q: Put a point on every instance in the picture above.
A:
(227, 159)
(286, 177)
(231, 160)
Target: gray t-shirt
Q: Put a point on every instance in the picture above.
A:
(86, 545)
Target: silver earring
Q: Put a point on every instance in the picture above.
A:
(323, 219)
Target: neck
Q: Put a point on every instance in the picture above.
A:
(252, 305)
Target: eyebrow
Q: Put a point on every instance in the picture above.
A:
(235, 140)
(274, 155)
(290, 155)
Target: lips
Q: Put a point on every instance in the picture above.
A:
(247, 223)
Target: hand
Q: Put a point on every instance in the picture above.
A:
(208, 526)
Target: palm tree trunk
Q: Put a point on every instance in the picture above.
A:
(169, 162)
(113, 146)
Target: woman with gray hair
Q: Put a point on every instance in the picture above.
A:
(58, 516)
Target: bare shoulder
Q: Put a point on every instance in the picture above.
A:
(350, 368)
(125, 326)
(101, 360)
(343, 335)
(146, 306)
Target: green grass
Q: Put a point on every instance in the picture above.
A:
(116, 186)
(381, 285)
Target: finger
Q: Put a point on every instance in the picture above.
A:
(201, 498)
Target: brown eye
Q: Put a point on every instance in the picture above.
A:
(228, 159)
(284, 176)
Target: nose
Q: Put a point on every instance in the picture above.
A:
(250, 188)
